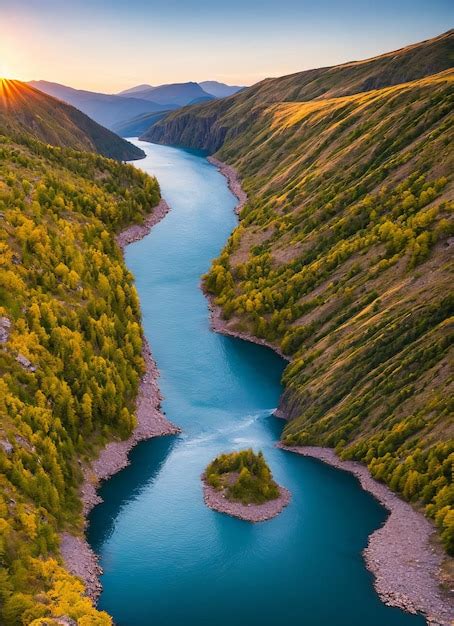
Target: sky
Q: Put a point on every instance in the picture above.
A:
(110, 45)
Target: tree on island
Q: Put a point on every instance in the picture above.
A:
(244, 477)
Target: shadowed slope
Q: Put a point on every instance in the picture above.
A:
(25, 110)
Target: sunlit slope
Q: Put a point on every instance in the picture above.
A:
(211, 125)
(343, 259)
(70, 357)
(25, 110)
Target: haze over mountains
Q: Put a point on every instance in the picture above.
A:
(116, 111)
(104, 108)
(177, 94)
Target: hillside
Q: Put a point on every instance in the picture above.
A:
(210, 125)
(343, 260)
(106, 109)
(27, 111)
(70, 345)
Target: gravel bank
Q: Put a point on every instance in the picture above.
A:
(218, 324)
(77, 555)
(221, 326)
(399, 554)
(233, 182)
(217, 501)
(135, 232)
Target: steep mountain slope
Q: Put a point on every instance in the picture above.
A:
(25, 110)
(343, 260)
(105, 109)
(209, 126)
(175, 94)
(70, 346)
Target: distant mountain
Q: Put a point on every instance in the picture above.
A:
(202, 99)
(135, 89)
(138, 125)
(175, 94)
(28, 111)
(105, 109)
(219, 90)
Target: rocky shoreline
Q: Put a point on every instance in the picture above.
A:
(135, 232)
(233, 182)
(400, 555)
(78, 557)
(218, 324)
(217, 501)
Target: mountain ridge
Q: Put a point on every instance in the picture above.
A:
(25, 110)
(210, 125)
(106, 109)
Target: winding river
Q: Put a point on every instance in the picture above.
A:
(169, 560)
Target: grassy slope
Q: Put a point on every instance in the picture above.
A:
(211, 125)
(25, 110)
(342, 259)
(75, 316)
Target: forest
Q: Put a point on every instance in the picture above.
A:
(71, 357)
(342, 260)
(244, 476)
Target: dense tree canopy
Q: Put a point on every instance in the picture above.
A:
(243, 476)
(71, 363)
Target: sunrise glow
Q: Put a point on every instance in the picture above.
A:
(5, 71)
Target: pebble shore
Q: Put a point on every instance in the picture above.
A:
(233, 182)
(218, 324)
(217, 501)
(78, 557)
(400, 555)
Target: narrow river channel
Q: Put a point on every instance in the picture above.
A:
(170, 561)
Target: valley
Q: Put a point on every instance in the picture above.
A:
(262, 271)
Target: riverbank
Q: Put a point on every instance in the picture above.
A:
(218, 323)
(78, 557)
(217, 501)
(135, 232)
(400, 554)
(233, 181)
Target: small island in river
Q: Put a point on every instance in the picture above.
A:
(241, 484)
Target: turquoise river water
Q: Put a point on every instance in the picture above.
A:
(168, 559)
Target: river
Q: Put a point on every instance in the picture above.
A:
(167, 558)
